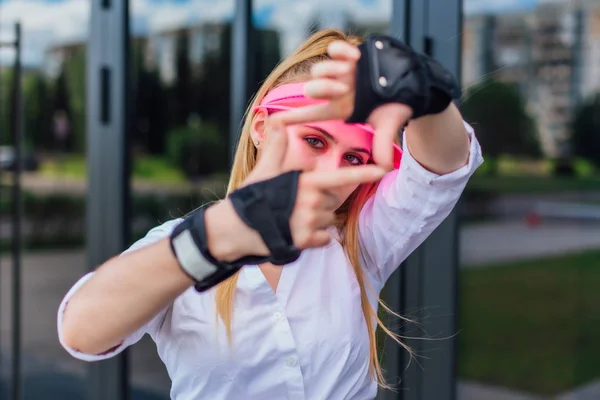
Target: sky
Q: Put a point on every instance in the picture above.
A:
(50, 22)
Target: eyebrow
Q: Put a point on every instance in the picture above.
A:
(334, 140)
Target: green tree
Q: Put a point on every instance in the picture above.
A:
(214, 82)
(37, 115)
(76, 85)
(61, 104)
(149, 105)
(6, 96)
(498, 114)
(183, 85)
(585, 137)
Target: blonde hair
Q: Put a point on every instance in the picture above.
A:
(296, 68)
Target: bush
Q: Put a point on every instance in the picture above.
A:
(563, 167)
(157, 169)
(199, 149)
(585, 140)
(58, 220)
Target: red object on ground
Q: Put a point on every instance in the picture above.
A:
(533, 219)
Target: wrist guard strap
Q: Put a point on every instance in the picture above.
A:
(189, 244)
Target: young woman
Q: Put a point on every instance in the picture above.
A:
(305, 330)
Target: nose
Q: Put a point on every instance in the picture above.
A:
(329, 162)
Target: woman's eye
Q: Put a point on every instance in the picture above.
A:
(314, 142)
(354, 160)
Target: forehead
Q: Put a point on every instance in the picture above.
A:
(347, 134)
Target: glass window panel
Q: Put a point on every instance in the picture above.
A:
(531, 225)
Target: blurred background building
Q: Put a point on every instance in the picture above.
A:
(550, 52)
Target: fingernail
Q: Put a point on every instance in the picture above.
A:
(309, 88)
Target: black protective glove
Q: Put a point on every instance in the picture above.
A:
(389, 71)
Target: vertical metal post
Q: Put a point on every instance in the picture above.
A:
(428, 279)
(17, 214)
(393, 292)
(577, 59)
(107, 155)
(241, 68)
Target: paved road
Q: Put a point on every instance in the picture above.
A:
(494, 243)
(46, 277)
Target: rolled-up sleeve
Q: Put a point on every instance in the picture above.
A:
(154, 235)
(409, 204)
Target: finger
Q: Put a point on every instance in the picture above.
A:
(318, 238)
(387, 121)
(326, 88)
(274, 146)
(343, 176)
(319, 112)
(308, 197)
(341, 50)
(331, 69)
(321, 219)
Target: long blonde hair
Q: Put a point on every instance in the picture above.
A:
(296, 68)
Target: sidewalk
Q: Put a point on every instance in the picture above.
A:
(42, 184)
(477, 391)
(46, 278)
(492, 243)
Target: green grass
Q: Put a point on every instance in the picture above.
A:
(67, 166)
(532, 184)
(150, 168)
(533, 326)
(156, 169)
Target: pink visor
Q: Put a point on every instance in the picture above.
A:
(289, 96)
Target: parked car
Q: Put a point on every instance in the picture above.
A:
(8, 159)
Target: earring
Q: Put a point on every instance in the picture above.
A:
(256, 143)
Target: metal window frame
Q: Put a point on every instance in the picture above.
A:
(428, 279)
(107, 208)
(243, 46)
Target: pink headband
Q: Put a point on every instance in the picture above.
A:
(289, 96)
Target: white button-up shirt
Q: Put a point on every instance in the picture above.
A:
(307, 340)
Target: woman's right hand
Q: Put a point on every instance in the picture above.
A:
(229, 238)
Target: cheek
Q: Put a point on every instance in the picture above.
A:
(298, 155)
(344, 192)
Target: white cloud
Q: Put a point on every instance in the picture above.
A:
(49, 23)
(292, 18)
(166, 16)
(478, 6)
(43, 24)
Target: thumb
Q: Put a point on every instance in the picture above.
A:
(275, 147)
(387, 121)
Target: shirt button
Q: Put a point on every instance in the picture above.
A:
(291, 361)
(277, 315)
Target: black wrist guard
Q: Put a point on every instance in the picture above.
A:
(267, 207)
(389, 71)
(264, 206)
(189, 244)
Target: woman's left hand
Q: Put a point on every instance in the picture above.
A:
(335, 80)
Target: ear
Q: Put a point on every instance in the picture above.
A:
(258, 130)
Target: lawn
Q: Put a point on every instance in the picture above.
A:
(156, 169)
(531, 184)
(533, 326)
